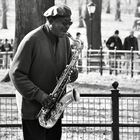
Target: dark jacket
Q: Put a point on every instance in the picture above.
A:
(35, 69)
(6, 47)
(2, 48)
(117, 43)
(130, 42)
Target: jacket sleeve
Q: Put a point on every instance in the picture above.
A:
(121, 46)
(19, 72)
(108, 43)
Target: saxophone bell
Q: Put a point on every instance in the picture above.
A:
(68, 98)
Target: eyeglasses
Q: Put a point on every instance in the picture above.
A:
(67, 23)
(64, 21)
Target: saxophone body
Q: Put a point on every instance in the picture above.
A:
(48, 116)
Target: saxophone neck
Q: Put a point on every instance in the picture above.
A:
(71, 37)
(77, 43)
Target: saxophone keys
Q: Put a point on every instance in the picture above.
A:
(59, 105)
(53, 113)
(54, 96)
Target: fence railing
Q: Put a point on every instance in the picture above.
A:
(108, 116)
(110, 61)
(103, 61)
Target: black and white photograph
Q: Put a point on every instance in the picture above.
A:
(69, 69)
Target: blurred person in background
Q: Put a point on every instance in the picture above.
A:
(78, 38)
(1, 46)
(114, 42)
(130, 42)
(74, 45)
(7, 46)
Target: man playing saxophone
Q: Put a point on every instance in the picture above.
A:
(41, 58)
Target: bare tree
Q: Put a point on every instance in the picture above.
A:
(118, 10)
(108, 7)
(137, 12)
(65, 1)
(80, 4)
(4, 14)
(29, 15)
(129, 1)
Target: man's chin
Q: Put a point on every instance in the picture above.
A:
(63, 34)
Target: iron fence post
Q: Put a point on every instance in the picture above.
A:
(6, 59)
(115, 111)
(101, 60)
(88, 60)
(132, 65)
(115, 62)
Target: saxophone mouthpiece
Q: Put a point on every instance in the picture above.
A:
(68, 34)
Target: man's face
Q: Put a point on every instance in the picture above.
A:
(116, 35)
(132, 33)
(60, 26)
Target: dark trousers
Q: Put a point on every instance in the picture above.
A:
(33, 131)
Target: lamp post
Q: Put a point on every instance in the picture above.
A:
(91, 7)
(91, 10)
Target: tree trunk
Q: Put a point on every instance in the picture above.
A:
(65, 2)
(81, 24)
(137, 12)
(29, 15)
(4, 14)
(93, 26)
(108, 7)
(118, 10)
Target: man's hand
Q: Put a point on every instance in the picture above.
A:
(112, 44)
(47, 101)
(73, 74)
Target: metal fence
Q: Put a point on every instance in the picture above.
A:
(108, 116)
(102, 61)
(110, 61)
(5, 59)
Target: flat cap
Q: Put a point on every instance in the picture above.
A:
(61, 10)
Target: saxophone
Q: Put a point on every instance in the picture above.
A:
(48, 116)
